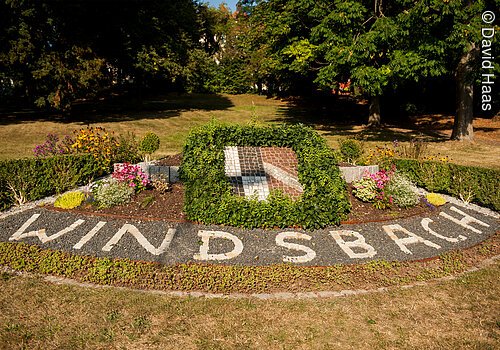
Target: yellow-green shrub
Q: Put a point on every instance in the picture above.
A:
(435, 199)
(69, 200)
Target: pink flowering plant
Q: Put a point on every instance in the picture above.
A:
(371, 188)
(131, 175)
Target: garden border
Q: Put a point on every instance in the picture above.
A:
(262, 296)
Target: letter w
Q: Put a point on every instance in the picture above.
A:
(41, 234)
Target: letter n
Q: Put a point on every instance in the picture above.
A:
(141, 239)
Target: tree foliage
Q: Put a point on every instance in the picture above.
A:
(55, 52)
(378, 46)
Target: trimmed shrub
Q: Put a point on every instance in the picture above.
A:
(474, 184)
(150, 143)
(403, 191)
(351, 150)
(70, 200)
(110, 192)
(435, 199)
(34, 178)
(208, 193)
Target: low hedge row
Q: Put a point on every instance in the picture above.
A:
(478, 185)
(208, 193)
(35, 178)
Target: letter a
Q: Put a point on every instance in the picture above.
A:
(204, 248)
(280, 241)
(403, 242)
(359, 242)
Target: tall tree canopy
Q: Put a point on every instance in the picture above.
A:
(54, 52)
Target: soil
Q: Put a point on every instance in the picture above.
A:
(171, 160)
(169, 207)
(366, 212)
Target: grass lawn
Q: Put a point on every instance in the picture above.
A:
(456, 314)
(172, 116)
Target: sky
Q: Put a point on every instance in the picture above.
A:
(216, 3)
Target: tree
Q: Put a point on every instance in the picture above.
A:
(376, 46)
(43, 66)
(55, 52)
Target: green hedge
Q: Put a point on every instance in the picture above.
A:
(482, 185)
(209, 198)
(36, 178)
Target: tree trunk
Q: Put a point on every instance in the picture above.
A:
(374, 113)
(462, 126)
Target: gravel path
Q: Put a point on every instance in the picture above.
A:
(457, 226)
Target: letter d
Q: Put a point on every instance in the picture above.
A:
(488, 32)
(205, 238)
(487, 64)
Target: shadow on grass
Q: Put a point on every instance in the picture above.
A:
(344, 116)
(122, 108)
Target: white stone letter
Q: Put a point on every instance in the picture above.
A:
(467, 219)
(41, 234)
(17, 235)
(359, 242)
(141, 239)
(205, 238)
(411, 239)
(425, 224)
(89, 235)
(280, 241)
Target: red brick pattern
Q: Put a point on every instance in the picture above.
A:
(285, 159)
(282, 157)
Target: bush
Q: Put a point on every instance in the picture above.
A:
(403, 191)
(365, 189)
(70, 200)
(476, 184)
(131, 175)
(435, 199)
(127, 149)
(150, 144)
(208, 193)
(110, 192)
(31, 179)
(351, 150)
